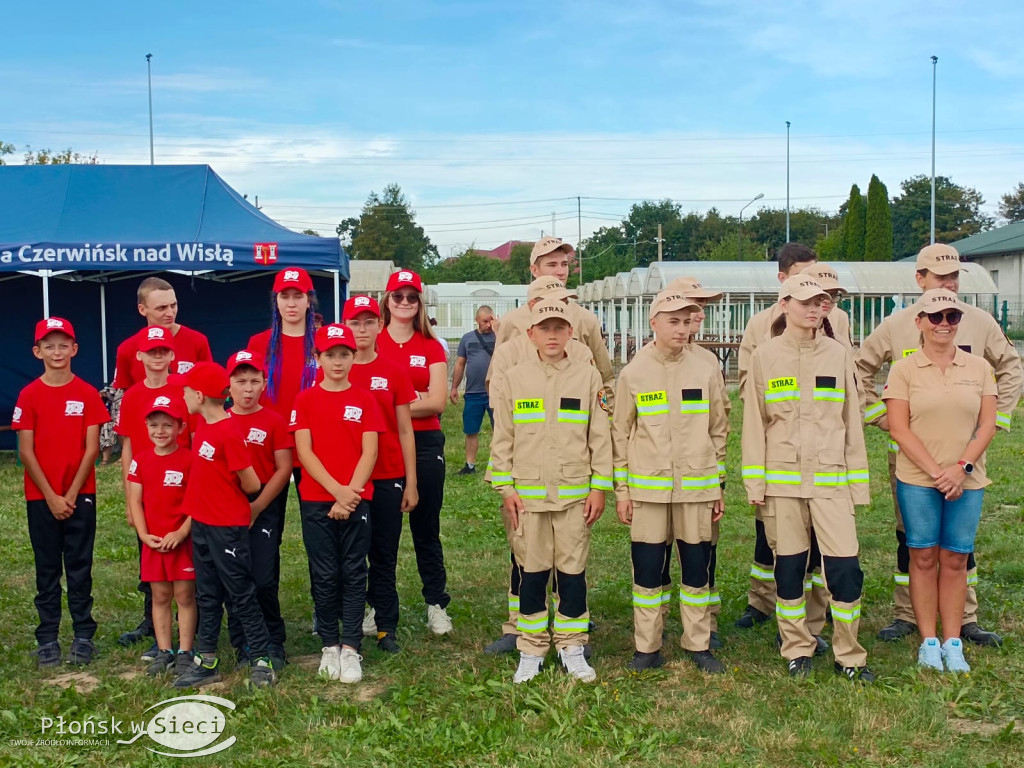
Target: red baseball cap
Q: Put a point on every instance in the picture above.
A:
(293, 277)
(246, 357)
(154, 337)
(333, 335)
(53, 325)
(172, 406)
(208, 378)
(402, 278)
(359, 304)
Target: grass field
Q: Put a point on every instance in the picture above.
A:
(442, 702)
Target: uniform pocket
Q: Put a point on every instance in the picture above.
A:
(699, 473)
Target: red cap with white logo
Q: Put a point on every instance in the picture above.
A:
(404, 277)
(154, 337)
(293, 277)
(334, 335)
(207, 378)
(246, 357)
(53, 325)
(359, 304)
(172, 406)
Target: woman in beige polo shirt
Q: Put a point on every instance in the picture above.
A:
(941, 405)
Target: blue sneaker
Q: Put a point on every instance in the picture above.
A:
(930, 654)
(953, 655)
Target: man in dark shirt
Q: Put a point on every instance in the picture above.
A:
(473, 358)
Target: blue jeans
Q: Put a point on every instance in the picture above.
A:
(930, 520)
(474, 406)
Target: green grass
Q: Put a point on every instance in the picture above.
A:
(442, 702)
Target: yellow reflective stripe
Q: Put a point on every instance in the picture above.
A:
(901, 579)
(531, 491)
(620, 473)
(808, 585)
(844, 615)
(600, 483)
(876, 410)
(775, 397)
(1002, 420)
(791, 612)
(716, 598)
(501, 478)
(528, 418)
(697, 601)
(752, 471)
(575, 417)
(894, 447)
(830, 478)
(858, 476)
(571, 625)
(666, 596)
(532, 626)
(818, 580)
(513, 603)
(652, 483)
(761, 574)
(721, 470)
(780, 477)
(695, 406)
(651, 410)
(909, 352)
(699, 483)
(647, 601)
(972, 580)
(830, 393)
(573, 491)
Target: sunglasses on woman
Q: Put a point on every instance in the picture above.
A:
(952, 317)
(407, 298)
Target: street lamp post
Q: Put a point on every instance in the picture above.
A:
(787, 181)
(149, 77)
(739, 242)
(935, 61)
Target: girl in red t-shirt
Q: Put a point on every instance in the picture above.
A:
(409, 341)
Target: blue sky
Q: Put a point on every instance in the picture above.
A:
(480, 109)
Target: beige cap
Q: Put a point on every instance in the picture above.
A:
(939, 259)
(547, 309)
(691, 289)
(825, 275)
(801, 287)
(548, 287)
(937, 300)
(669, 301)
(547, 245)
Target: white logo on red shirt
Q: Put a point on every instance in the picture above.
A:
(184, 366)
(290, 275)
(173, 478)
(74, 408)
(378, 382)
(154, 332)
(353, 413)
(206, 451)
(405, 277)
(362, 301)
(417, 361)
(159, 401)
(17, 414)
(257, 436)
(133, 467)
(335, 332)
(293, 419)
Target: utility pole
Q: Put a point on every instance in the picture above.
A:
(553, 224)
(787, 181)
(149, 77)
(935, 61)
(579, 235)
(659, 242)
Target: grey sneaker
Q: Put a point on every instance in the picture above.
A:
(47, 655)
(504, 644)
(202, 672)
(164, 662)
(81, 651)
(183, 662)
(642, 661)
(897, 631)
(262, 674)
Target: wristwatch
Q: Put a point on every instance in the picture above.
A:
(968, 467)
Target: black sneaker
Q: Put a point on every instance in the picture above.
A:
(47, 655)
(716, 642)
(467, 470)
(242, 660)
(262, 674)
(642, 661)
(142, 632)
(278, 657)
(897, 631)
(504, 644)
(800, 667)
(822, 645)
(164, 662)
(183, 661)
(750, 617)
(150, 653)
(706, 662)
(81, 651)
(975, 634)
(202, 672)
(857, 674)
(389, 643)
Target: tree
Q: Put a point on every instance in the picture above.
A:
(386, 230)
(519, 264)
(468, 265)
(63, 157)
(311, 232)
(854, 224)
(830, 247)
(957, 214)
(5, 149)
(729, 248)
(1011, 205)
(878, 230)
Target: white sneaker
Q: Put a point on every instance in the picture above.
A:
(438, 621)
(351, 670)
(576, 664)
(370, 623)
(529, 667)
(330, 662)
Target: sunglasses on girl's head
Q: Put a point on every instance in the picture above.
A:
(408, 298)
(952, 317)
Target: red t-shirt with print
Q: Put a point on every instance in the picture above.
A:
(214, 493)
(264, 432)
(163, 480)
(391, 387)
(190, 347)
(293, 364)
(416, 356)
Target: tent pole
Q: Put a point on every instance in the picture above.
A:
(45, 274)
(103, 329)
(337, 296)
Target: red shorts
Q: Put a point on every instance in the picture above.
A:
(175, 565)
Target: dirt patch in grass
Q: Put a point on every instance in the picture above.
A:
(980, 728)
(83, 681)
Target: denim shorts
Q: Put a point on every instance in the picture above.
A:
(931, 521)
(473, 408)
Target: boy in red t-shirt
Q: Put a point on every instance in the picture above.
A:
(216, 500)
(156, 489)
(269, 443)
(394, 476)
(58, 417)
(336, 426)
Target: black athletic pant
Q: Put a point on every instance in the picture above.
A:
(381, 585)
(147, 590)
(425, 520)
(224, 574)
(63, 547)
(337, 552)
(265, 551)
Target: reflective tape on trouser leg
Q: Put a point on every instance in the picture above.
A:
(844, 578)
(845, 623)
(789, 576)
(648, 564)
(695, 611)
(648, 618)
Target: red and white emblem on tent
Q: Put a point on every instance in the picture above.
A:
(265, 253)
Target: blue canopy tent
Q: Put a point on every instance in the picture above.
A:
(92, 232)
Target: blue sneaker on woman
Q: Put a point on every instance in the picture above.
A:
(953, 655)
(930, 654)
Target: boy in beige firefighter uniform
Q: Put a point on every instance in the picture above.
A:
(552, 463)
(668, 434)
(516, 351)
(896, 337)
(804, 462)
